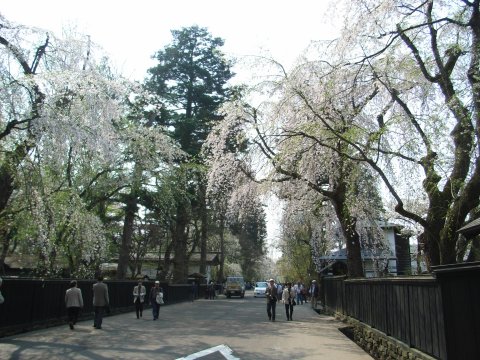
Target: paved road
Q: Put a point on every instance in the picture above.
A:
(205, 329)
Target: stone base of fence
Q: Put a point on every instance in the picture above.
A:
(379, 345)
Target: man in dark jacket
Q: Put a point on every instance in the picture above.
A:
(271, 294)
(100, 301)
(154, 291)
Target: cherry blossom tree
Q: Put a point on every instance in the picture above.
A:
(413, 67)
(236, 200)
(286, 145)
(67, 146)
(55, 95)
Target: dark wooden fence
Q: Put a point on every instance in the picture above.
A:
(460, 292)
(33, 303)
(439, 315)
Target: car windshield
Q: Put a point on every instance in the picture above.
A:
(235, 280)
(261, 284)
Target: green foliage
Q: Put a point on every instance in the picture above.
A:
(191, 79)
(296, 262)
(251, 232)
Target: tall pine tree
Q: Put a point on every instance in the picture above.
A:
(191, 79)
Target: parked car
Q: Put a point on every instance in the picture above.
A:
(235, 285)
(260, 288)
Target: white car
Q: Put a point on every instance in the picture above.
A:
(260, 288)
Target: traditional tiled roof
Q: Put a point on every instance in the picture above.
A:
(471, 229)
(365, 253)
(195, 257)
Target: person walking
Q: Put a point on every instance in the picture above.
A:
(101, 301)
(314, 292)
(288, 298)
(271, 295)
(211, 290)
(304, 293)
(74, 302)
(279, 292)
(156, 297)
(139, 293)
(298, 291)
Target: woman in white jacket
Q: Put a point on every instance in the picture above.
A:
(74, 302)
(139, 293)
(288, 298)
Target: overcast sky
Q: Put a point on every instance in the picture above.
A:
(132, 31)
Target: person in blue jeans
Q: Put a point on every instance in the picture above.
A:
(298, 291)
(154, 291)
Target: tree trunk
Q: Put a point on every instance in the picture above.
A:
(5, 245)
(124, 252)
(352, 238)
(221, 276)
(164, 269)
(130, 212)
(7, 186)
(204, 228)
(180, 264)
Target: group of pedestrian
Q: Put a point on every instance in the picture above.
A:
(74, 302)
(300, 293)
(276, 293)
(290, 296)
(101, 301)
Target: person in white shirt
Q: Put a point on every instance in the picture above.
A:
(288, 298)
(139, 293)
